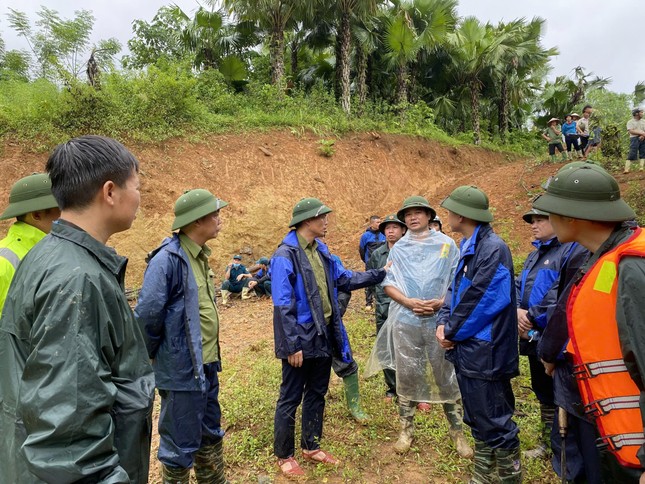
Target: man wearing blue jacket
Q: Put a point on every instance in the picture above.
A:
(308, 330)
(371, 240)
(178, 315)
(536, 289)
(478, 327)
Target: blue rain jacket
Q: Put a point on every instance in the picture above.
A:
(168, 313)
(370, 241)
(480, 312)
(298, 318)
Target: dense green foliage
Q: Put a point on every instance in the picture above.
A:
(409, 66)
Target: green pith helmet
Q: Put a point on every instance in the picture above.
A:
(307, 208)
(469, 202)
(585, 193)
(392, 218)
(263, 260)
(29, 194)
(193, 205)
(571, 166)
(528, 216)
(416, 201)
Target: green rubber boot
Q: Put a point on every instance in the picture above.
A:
(175, 475)
(484, 471)
(509, 465)
(209, 464)
(354, 398)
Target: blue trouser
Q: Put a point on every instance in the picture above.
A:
(541, 383)
(636, 149)
(189, 421)
(488, 411)
(312, 381)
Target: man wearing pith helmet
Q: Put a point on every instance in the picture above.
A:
(478, 327)
(35, 208)
(423, 264)
(606, 313)
(179, 317)
(308, 330)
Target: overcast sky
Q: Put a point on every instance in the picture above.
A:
(601, 36)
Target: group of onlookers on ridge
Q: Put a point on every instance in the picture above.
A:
(79, 368)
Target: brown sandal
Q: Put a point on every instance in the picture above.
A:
(319, 455)
(290, 467)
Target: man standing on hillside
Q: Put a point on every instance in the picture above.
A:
(32, 203)
(423, 264)
(636, 130)
(371, 239)
(582, 128)
(308, 330)
(478, 327)
(393, 229)
(178, 314)
(76, 387)
(605, 313)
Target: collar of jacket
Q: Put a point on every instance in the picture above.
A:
(552, 242)
(106, 255)
(481, 231)
(26, 233)
(291, 239)
(375, 232)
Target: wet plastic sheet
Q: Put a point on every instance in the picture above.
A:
(422, 267)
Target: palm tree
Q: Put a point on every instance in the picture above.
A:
(477, 47)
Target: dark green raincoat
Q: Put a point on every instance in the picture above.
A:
(76, 386)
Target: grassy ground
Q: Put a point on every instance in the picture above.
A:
(249, 387)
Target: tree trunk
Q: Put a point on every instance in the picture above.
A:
(503, 108)
(337, 68)
(343, 61)
(361, 77)
(276, 51)
(294, 63)
(401, 84)
(474, 104)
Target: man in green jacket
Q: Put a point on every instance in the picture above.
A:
(35, 208)
(393, 229)
(76, 386)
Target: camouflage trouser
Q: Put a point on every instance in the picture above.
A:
(496, 465)
(453, 412)
(209, 464)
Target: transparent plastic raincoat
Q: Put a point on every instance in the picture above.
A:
(423, 266)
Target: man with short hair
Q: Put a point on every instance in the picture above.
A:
(236, 279)
(393, 229)
(478, 326)
(178, 314)
(636, 130)
(76, 386)
(423, 264)
(582, 128)
(308, 330)
(35, 208)
(371, 239)
(605, 313)
(261, 280)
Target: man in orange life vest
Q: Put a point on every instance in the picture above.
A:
(605, 313)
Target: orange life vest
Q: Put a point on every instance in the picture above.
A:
(608, 393)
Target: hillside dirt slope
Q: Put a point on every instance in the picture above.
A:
(263, 175)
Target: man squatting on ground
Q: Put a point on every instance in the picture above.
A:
(393, 229)
(423, 264)
(536, 290)
(35, 208)
(605, 313)
(178, 314)
(478, 326)
(236, 280)
(371, 239)
(308, 330)
(76, 386)
(261, 280)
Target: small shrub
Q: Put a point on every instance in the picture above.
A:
(327, 147)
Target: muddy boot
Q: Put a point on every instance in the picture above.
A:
(245, 293)
(553, 159)
(564, 156)
(209, 464)
(225, 295)
(628, 165)
(174, 475)
(402, 445)
(354, 398)
(509, 465)
(484, 471)
(547, 414)
(641, 164)
(579, 152)
(461, 444)
(454, 414)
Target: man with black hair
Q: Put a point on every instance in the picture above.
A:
(636, 130)
(371, 240)
(582, 128)
(76, 386)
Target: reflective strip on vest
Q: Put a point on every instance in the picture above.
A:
(10, 256)
(607, 390)
(603, 407)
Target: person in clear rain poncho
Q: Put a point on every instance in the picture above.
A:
(423, 265)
